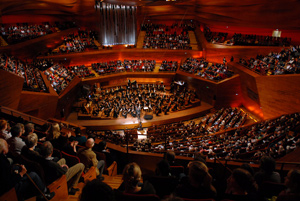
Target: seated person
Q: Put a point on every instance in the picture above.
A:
(3, 130)
(241, 186)
(54, 170)
(132, 176)
(198, 185)
(89, 158)
(15, 142)
(292, 181)
(29, 149)
(14, 176)
(267, 171)
(79, 138)
(96, 190)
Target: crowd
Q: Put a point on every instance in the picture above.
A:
(215, 37)
(81, 71)
(135, 98)
(258, 40)
(204, 69)
(161, 36)
(33, 80)
(245, 39)
(275, 138)
(197, 182)
(21, 32)
(78, 42)
(140, 65)
(16, 33)
(284, 62)
(59, 77)
(168, 66)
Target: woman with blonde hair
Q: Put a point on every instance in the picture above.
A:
(132, 176)
(198, 184)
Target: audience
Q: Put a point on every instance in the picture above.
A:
(15, 176)
(79, 41)
(168, 66)
(267, 171)
(132, 177)
(241, 186)
(198, 184)
(204, 69)
(96, 190)
(33, 80)
(15, 142)
(88, 157)
(54, 170)
(292, 181)
(161, 36)
(284, 62)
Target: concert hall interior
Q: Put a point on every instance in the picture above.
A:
(162, 85)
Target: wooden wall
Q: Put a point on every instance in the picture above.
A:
(279, 94)
(223, 94)
(67, 98)
(42, 105)
(10, 89)
(250, 94)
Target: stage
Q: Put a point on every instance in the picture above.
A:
(130, 122)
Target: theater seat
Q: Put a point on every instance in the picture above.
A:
(90, 175)
(187, 199)
(136, 197)
(70, 159)
(10, 195)
(60, 188)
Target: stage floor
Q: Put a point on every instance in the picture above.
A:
(130, 122)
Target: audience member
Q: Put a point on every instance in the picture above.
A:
(96, 190)
(292, 181)
(267, 171)
(15, 142)
(89, 158)
(241, 186)
(4, 133)
(132, 176)
(198, 185)
(15, 176)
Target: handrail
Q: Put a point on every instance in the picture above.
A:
(16, 113)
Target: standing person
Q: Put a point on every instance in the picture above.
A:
(89, 158)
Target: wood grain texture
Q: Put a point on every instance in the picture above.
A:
(10, 89)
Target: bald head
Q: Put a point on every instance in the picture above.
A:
(90, 143)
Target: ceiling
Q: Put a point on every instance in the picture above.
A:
(250, 13)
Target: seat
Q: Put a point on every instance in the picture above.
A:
(112, 169)
(60, 188)
(164, 186)
(270, 189)
(10, 195)
(187, 199)
(70, 159)
(176, 170)
(90, 175)
(137, 197)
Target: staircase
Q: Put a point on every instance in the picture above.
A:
(156, 68)
(98, 44)
(193, 40)
(3, 42)
(140, 41)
